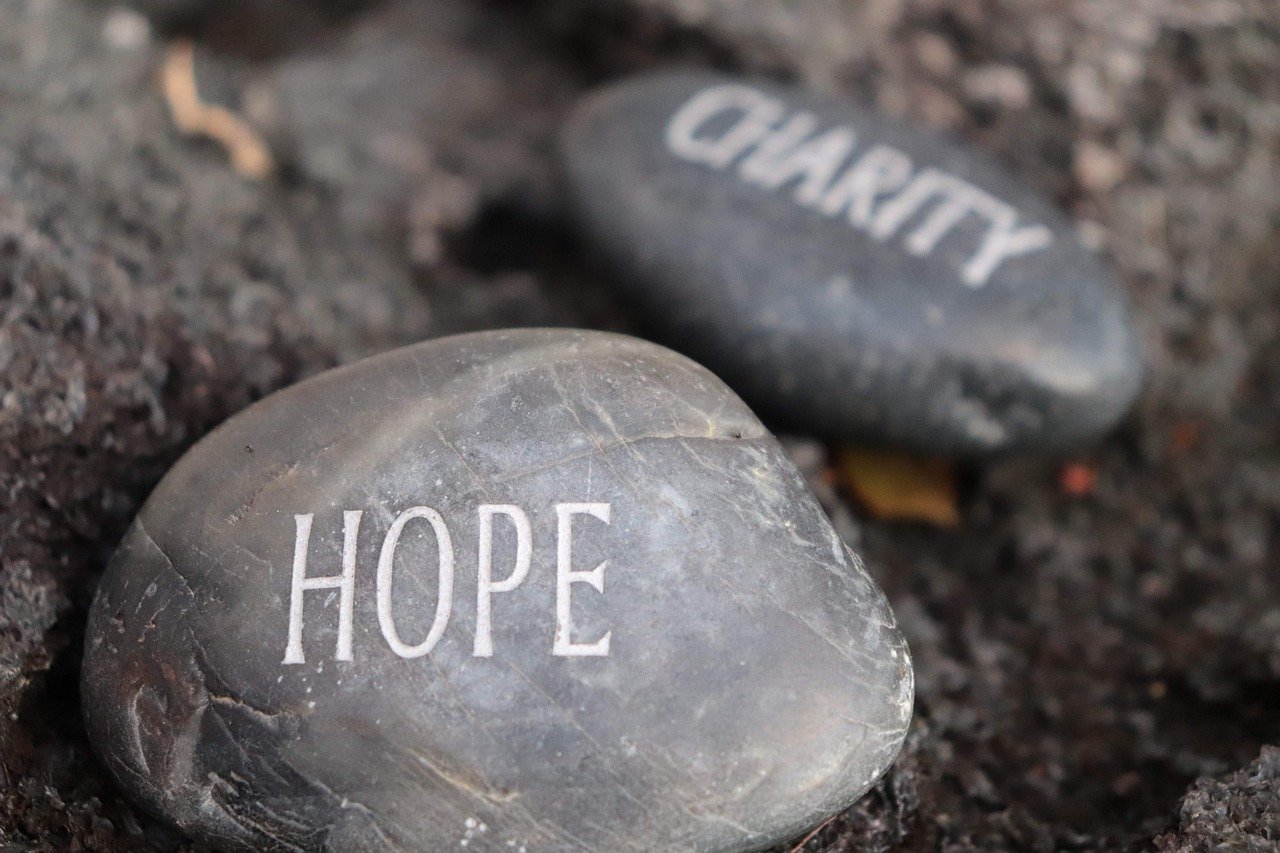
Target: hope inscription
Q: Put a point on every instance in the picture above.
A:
(879, 192)
(563, 644)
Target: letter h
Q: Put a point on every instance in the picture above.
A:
(345, 583)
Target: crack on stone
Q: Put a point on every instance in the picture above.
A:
(488, 795)
(563, 393)
(269, 718)
(218, 791)
(142, 528)
(475, 476)
(346, 802)
(603, 449)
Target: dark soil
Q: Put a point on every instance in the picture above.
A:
(1095, 671)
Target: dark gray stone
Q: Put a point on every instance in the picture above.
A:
(849, 275)
(734, 678)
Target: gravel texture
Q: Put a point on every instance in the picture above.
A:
(1094, 671)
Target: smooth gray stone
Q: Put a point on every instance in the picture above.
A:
(849, 275)
(754, 680)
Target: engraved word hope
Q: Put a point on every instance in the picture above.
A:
(878, 192)
(345, 583)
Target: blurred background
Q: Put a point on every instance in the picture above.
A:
(202, 202)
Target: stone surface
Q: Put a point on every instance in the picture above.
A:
(850, 275)
(680, 654)
(105, 206)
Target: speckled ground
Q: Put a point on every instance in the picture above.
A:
(1094, 672)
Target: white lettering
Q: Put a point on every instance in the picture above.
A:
(785, 152)
(758, 114)
(345, 584)
(1004, 241)
(816, 161)
(961, 200)
(566, 577)
(485, 585)
(881, 170)
(894, 213)
(763, 161)
(444, 601)
(957, 199)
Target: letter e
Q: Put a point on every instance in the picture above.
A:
(566, 577)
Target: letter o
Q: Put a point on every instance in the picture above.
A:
(444, 602)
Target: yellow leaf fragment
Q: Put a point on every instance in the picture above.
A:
(895, 486)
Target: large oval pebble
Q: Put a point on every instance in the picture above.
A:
(848, 274)
(528, 590)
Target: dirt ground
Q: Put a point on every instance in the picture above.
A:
(1098, 667)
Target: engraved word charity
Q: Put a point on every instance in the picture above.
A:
(562, 645)
(878, 192)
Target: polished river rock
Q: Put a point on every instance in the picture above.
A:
(525, 590)
(850, 275)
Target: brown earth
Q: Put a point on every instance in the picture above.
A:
(1095, 671)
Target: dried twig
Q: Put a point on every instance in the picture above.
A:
(813, 834)
(249, 154)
